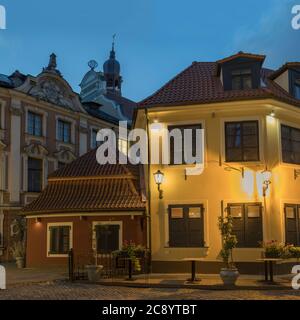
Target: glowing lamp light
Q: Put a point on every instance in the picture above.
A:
(272, 114)
(159, 179)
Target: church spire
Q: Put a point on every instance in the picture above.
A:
(111, 69)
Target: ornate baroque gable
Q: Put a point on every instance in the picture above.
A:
(51, 87)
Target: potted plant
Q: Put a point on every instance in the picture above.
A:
(133, 252)
(294, 252)
(274, 250)
(229, 274)
(18, 252)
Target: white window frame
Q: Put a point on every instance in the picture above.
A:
(59, 224)
(101, 223)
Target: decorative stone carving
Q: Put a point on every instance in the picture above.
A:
(51, 91)
(36, 149)
(65, 155)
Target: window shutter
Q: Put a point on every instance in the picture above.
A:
(291, 228)
(253, 225)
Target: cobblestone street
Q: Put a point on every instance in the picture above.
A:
(77, 291)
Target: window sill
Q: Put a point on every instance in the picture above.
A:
(53, 255)
(204, 248)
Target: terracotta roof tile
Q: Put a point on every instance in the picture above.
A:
(87, 166)
(199, 84)
(87, 195)
(84, 186)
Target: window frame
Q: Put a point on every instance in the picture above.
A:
(290, 127)
(59, 224)
(94, 236)
(64, 123)
(41, 170)
(297, 221)
(241, 76)
(258, 147)
(181, 126)
(185, 208)
(244, 218)
(34, 116)
(297, 88)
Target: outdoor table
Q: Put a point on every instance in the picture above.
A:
(193, 271)
(269, 264)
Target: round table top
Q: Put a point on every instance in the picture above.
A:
(269, 259)
(192, 259)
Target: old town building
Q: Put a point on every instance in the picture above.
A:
(250, 168)
(45, 125)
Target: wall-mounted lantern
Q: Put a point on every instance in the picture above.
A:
(159, 179)
(267, 175)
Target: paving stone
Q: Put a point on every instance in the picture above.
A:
(79, 291)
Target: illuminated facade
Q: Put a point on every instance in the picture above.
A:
(251, 119)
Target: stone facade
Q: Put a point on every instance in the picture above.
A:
(50, 98)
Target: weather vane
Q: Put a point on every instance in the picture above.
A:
(113, 43)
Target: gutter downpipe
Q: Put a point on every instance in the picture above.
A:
(149, 233)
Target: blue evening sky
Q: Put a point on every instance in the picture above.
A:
(156, 39)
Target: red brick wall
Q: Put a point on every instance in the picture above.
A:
(82, 236)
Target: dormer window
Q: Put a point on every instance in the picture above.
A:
(241, 79)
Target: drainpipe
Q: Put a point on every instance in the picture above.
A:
(149, 233)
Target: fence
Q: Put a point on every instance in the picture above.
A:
(112, 266)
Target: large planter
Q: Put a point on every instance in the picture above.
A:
(20, 262)
(229, 276)
(93, 272)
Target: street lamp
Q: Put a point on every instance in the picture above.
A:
(267, 175)
(159, 179)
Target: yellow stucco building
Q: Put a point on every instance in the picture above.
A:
(251, 121)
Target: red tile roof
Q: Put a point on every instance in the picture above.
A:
(86, 186)
(242, 54)
(199, 84)
(87, 166)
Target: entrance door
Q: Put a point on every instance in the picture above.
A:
(108, 238)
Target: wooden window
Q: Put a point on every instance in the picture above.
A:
(241, 79)
(35, 175)
(186, 226)
(59, 239)
(242, 141)
(34, 124)
(180, 152)
(290, 144)
(292, 224)
(64, 131)
(108, 238)
(247, 223)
